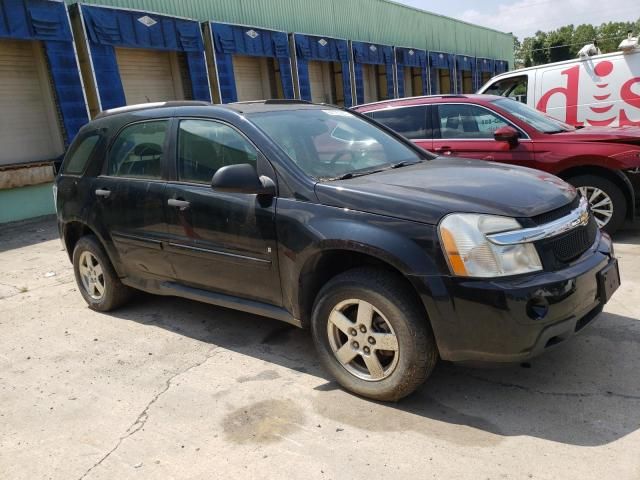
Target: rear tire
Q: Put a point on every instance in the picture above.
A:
(608, 203)
(97, 280)
(358, 319)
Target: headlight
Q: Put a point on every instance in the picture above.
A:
(470, 254)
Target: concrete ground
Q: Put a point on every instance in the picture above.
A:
(169, 388)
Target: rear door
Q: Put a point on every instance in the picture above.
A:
(466, 130)
(413, 122)
(222, 242)
(129, 198)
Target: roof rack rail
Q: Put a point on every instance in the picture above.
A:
(274, 101)
(143, 106)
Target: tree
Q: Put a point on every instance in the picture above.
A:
(565, 42)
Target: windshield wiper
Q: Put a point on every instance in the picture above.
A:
(402, 164)
(348, 175)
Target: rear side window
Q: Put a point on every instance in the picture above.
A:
(410, 122)
(79, 154)
(138, 151)
(204, 146)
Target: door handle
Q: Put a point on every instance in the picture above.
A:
(444, 150)
(103, 192)
(181, 204)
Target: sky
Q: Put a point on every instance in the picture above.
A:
(524, 17)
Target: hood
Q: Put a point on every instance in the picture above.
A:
(627, 134)
(429, 190)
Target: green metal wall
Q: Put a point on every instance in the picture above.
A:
(379, 21)
(26, 202)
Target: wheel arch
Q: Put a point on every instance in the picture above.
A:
(74, 230)
(326, 263)
(615, 176)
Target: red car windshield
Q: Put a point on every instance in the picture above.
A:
(536, 119)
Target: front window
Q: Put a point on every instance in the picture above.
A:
(465, 121)
(536, 119)
(332, 143)
(512, 87)
(204, 146)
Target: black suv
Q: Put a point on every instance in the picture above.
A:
(322, 218)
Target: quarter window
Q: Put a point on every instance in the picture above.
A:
(205, 146)
(468, 121)
(408, 121)
(80, 153)
(137, 152)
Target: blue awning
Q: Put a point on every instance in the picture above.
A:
(47, 21)
(241, 40)
(411, 57)
(311, 47)
(107, 28)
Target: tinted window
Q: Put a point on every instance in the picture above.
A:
(205, 146)
(137, 152)
(408, 121)
(79, 154)
(331, 143)
(468, 121)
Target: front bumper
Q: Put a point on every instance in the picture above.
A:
(512, 320)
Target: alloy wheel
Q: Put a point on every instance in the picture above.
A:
(601, 204)
(92, 275)
(363, 340)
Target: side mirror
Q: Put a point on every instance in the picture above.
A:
(242, 178)
(506, 134)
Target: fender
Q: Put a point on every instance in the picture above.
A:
(306, 231)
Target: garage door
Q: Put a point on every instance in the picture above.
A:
(370, 83)
(149, 75)
(320, 79)
(252, 78)
(412, 82)
(29, 129)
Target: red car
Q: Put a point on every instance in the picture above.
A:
(603, 163)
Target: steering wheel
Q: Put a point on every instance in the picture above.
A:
(339, 155)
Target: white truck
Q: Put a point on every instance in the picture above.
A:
(591, 90)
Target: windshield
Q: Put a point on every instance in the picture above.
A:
(536, 119)
(332, 143)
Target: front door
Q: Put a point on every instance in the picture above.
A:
(130, 199)
(466, 130)
(222, 242)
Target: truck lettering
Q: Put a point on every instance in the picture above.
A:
(570, 93)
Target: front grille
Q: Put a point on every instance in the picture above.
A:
(557, 252)
(571, 245)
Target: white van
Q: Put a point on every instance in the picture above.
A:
(598, 90)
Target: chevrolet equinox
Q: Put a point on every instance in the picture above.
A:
(322, 218)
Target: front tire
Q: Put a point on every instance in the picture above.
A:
(608, 203)
(372, 334)
(97, 280)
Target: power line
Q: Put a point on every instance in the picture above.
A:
(576, 43)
